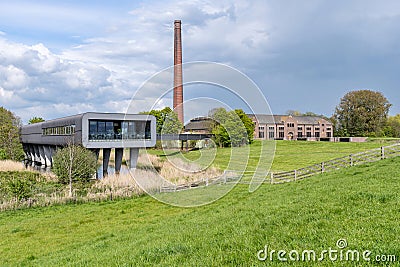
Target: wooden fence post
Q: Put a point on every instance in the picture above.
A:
(351, 160)
(295, 175)
(272, 177)
(322, 166)
(383, 152)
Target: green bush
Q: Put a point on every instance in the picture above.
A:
(19, 188)
(74, 162)
(19, 185)
(3, 154)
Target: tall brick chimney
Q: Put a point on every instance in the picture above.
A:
(178, 87)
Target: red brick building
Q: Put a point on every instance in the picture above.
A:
(284, 127)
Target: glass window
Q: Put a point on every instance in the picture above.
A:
(148, 130)
(92, 127)
(131, 130)
(140, 129)
(115, 130)
(271, 135)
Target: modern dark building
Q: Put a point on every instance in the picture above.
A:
(92, 130)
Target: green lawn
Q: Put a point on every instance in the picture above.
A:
(360, 204)
(289, 155)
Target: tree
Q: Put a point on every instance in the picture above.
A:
(171, 124)
(292, 112)
(392, 128)
(221, 136)
(361, 113)
(74, 163)
(229, 129)
(312, 114)
(168, 117)
(10, 145)
(35, 120)
(248, 124)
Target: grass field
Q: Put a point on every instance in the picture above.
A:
(289, 155)
(360, 204)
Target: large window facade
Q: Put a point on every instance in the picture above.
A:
(116, 130)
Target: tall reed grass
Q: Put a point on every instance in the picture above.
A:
(151, 174)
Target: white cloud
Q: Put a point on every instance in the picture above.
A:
(37, 77)
(318, 48)
(5, 95)
(12, 77)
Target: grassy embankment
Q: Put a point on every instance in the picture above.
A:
(289, 155)
(359, 204)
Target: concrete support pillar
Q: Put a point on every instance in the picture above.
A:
(106, 160)
(36, 156)
(133, 157)
(32, 152)
(53, 150)
(118, 159)
(47, 156)
(42, 156)
(25, 147)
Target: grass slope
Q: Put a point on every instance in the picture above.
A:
(360, 204)
(289, 155)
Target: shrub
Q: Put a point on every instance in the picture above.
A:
(19, 188)
(18, 185)
(74, 164)
(3, 154)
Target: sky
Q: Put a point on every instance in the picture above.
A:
(59, 58)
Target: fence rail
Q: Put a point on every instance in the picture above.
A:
(360, 158)
(229, 176)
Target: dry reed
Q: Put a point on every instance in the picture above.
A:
(10, 165)
(152, 173)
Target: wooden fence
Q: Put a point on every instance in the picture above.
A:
(226, 178)
(336, 164)
(373, 155)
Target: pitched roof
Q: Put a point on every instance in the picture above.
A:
(201, 123)
(279, 119)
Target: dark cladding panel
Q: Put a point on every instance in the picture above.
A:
(94, 130)
(53, 132)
